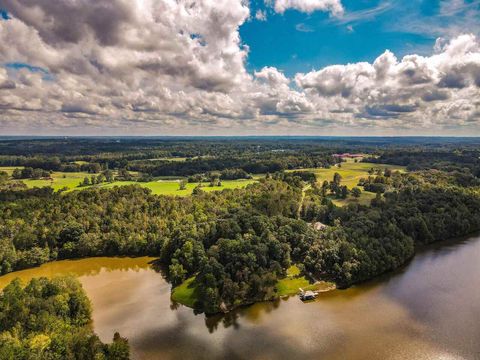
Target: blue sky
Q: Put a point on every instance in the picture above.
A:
(299, 42)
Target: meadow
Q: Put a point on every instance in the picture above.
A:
(350, 171)
(167, 186)
(364, 199)
(57, 181)
(172, 187)
(8, 169)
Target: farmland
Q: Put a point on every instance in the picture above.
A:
(169, 186)
(351, 172)
(364, 199)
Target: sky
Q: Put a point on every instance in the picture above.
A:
(238, 67)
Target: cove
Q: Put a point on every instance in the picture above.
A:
(429, 309)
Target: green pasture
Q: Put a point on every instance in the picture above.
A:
(8, 169)
(350, 172)
(364, 199)
(162, 187)
(166, 186)
(58, 180)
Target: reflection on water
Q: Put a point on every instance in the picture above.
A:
(83, 267)
(428, 310)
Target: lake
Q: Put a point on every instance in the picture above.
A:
(428, 310)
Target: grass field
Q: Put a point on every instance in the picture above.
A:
(350, 172)
(8, 169)
(58, 179)
(167, 186)
(163, 187)
(364, 199)
(185, 293)
(291, 284)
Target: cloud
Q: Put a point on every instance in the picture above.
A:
(338, 80)
(335, 7)
(91, 38)
(303, 28)
(272, 76)
(415, 85)
(451, 19)
(179, 67)
(355, 17)
(261, 15)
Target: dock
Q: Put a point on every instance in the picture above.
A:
(307, 295)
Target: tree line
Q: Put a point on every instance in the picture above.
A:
(51, 319)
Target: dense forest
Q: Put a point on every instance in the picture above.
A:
(51, 319)
(237, 243)
(460, 161)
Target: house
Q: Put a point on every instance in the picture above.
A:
(319, 226)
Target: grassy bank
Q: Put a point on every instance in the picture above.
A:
(186, 293)
(291, 284)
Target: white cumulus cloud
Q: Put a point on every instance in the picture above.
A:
(179, 67)
(335, 7)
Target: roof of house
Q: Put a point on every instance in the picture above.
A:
(318, 225)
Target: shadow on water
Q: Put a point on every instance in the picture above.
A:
(159, 267)
(231, 319)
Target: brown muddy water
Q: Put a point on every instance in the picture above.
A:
(428, 310)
